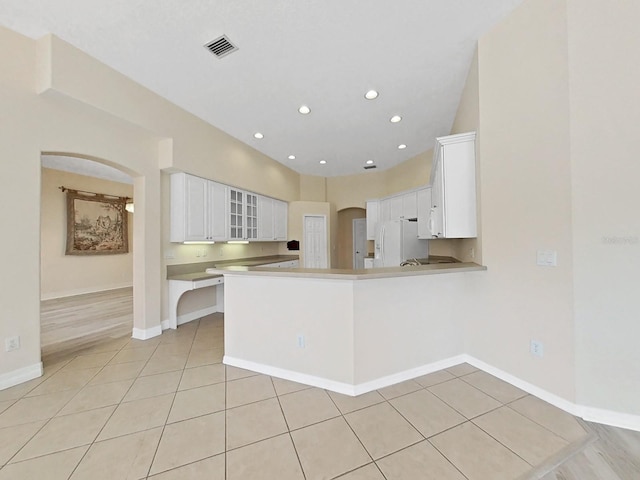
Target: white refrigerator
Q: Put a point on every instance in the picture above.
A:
(397, 241)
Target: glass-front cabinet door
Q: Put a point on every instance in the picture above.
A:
(236, 214)
(251, 214)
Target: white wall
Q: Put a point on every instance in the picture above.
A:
(604, 79)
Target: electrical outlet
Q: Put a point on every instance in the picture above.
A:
(472, 252)
(536, 348)
(221, 251)
(301, 342)
(12, 343)
(169, 255)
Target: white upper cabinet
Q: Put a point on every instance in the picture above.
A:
(218, 211)
(373, 216)
(204, 211)
(190, 211)
(280, 220)
(409, 205)
(265, 219)
(243, 215)
(423, 200)
(453, 194)
(272, 219)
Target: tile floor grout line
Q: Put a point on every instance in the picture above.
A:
(446, 458)
(286, 422)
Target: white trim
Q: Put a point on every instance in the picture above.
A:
(614, 419)
(407, 374)
(548, 397)
(590, 414)
(606, 417)
(83, 291)
(20, 375)
(142, 334)
(339, 387)
(190, 317)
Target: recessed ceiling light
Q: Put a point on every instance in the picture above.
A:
(395, 119)
(291, 157)
(371, 95)
(258, 135)
(304, 109)
(322, 162)
(402, 146)
(369, 162)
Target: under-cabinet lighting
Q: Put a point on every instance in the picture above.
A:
(258, 135)
(199, 242)
(323, 162)
(395, 119)
(243, 242)
(402, 146)
(371, 95)
(304, 110)
(291, 157)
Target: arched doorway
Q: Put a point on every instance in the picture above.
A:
(84, 298)
(346, 235)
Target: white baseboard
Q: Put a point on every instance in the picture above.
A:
(21, 375)
(146, 334)
(83, 291)
(606, 417)
(542, 394)
(407, 375)
(339, 387)
(590, 414)
(191, 316)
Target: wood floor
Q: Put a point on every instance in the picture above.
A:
(75, 323)
(71, 323)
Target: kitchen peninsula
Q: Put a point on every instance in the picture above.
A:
(350, 331)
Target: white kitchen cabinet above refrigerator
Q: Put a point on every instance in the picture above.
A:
(453, 187)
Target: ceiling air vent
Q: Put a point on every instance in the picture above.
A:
(221, 46)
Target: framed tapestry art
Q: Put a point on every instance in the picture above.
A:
(96, 224)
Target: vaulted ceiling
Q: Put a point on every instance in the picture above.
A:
(322, 54)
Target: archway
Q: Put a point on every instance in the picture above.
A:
(345, 235)
(95, 290)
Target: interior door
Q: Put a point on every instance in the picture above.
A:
(359, 242)
(314, 248)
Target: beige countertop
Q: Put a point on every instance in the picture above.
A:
(349, 274)
(190, 272)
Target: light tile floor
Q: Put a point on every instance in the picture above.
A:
(167, 408)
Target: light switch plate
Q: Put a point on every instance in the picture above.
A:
(547, 258)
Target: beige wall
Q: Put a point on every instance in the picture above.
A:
(56, 99)
(345, 235)
(468, 120)
(354, 190)
(526, 199)
(605, 114)
(63, 275)
(313, 188)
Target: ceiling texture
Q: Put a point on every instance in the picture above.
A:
(324, 54)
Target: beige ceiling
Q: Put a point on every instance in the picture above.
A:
(324, 54)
